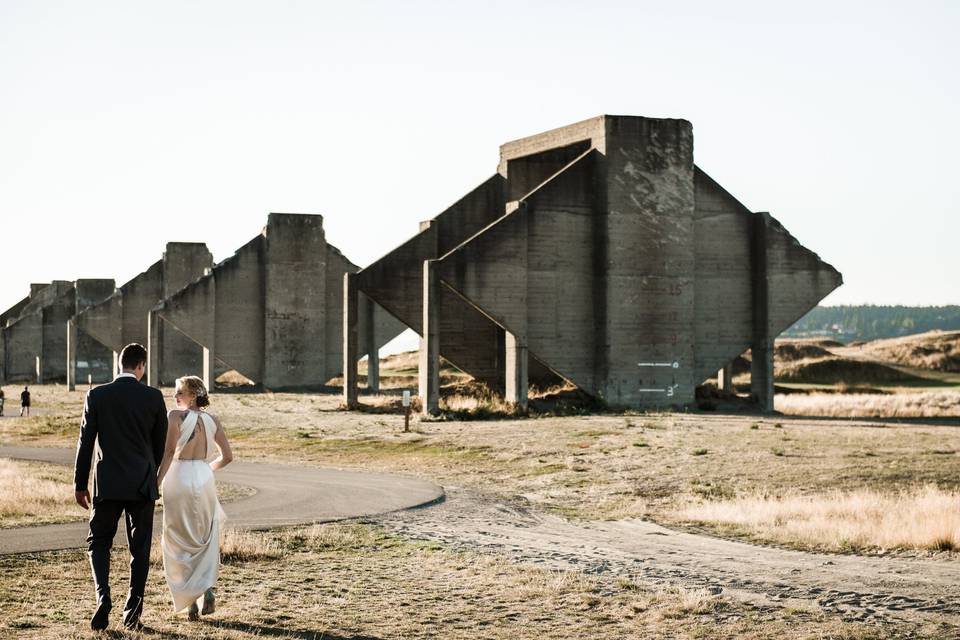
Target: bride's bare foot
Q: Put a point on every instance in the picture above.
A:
(193, 613)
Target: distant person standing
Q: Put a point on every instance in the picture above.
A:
(1, 401)
(25, 402)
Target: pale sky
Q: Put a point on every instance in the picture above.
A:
(127, 124)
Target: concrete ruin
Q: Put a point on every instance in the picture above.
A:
(34, 345)
(273, 311)
(603, 253)
(122, 318)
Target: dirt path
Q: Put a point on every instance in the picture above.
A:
(858, 588)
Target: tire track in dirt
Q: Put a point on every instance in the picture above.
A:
(858, 588)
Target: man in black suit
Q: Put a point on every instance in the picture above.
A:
(125, 423)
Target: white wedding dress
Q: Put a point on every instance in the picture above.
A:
(192, 518)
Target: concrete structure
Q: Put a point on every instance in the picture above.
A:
(34, 342)
(274, 310)
(122, 317)
(601, 251)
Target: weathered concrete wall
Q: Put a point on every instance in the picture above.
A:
(183, 263)
(650, 259)
(6, 317)
(40, 330)
(272, 311)
(295, 274)
(122, 317)
(629, 272)
(23, 344)
(722, 295)
(467, 338)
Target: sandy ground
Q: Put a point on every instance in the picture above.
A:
(881, 589)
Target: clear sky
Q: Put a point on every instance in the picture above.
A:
(127, 124)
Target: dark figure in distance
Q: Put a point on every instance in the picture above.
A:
(25, 401)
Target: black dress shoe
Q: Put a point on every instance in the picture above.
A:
(101, 617)
(132, 611)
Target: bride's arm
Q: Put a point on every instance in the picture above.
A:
(170, 448)
(220, 438)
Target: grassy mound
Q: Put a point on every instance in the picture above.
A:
(837, 370)
(934, 350)
(799, 350)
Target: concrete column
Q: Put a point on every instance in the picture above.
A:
(116, 365)
(761, 367)
(153, 349)
(208, 375)
(350, 338)
(373, 355)
(71, 355)
(429, 369)
(516, 375)
(39, 366)
(725, 378)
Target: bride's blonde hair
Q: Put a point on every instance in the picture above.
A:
(195, 385)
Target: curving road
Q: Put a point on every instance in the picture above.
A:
(285, 495)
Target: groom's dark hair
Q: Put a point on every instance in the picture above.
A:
(133, 354)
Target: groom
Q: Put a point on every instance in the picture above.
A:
(125, 424)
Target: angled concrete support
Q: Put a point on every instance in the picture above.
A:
(516, 383)
(761, 367)
(429, 369)
(370, 339)
(71, 355)
(725, 378)
(350, 339)
(153, 349)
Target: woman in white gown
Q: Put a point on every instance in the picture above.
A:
(192, 517)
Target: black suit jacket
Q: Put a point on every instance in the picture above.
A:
(126, 422)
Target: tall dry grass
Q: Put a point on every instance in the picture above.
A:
(926, 518)
(36, 493)
(934, 350)
(927, 404)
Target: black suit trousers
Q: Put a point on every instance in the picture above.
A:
(103, 528)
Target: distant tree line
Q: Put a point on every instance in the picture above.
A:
(847, 323)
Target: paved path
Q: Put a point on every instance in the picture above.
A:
(286, 495)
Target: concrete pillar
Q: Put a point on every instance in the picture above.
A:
(39, 367)
(350, 338)
(71, 355)
(295, 321)
(429, 369)
(153, 349)
(516, 375)
(761, 367)
(208, 375)
(373, 355)
(116, 365)
(725, 378)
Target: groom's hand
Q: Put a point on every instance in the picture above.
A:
(83, 499)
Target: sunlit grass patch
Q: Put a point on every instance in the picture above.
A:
(36, 493)
(924, 518)
(927, 404)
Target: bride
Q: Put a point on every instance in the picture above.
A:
(192, 517)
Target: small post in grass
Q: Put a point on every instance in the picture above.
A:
(406, 411)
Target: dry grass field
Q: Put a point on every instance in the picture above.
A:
(867, 486)
(353, 581)
(585, 467)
